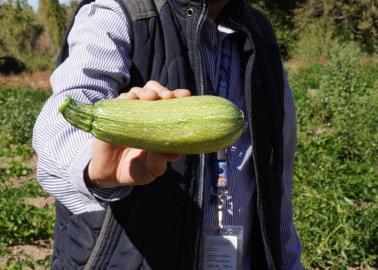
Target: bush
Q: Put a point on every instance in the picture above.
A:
(40, 60)
(314, 43)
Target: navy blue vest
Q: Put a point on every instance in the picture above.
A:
(158, 226)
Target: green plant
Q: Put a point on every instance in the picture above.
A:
(335, 191)
(315, 42)
(18, 110)
(21, 223)
(39, 60)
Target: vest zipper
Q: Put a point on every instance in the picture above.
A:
(259, 207)
(250, 117)
(203, 87)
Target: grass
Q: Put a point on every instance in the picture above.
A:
(335, 181)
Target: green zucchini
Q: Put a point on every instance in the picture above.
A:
(188, 125)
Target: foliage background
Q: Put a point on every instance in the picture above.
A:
(330, 52)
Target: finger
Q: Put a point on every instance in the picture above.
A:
(164, 157)
(163, 92)
(132, 170)
(155, 165)
(166, 94)
(156, 86)
(151, 176)
(172, 157)
(128, 95)
(144, 93)
(181, 93)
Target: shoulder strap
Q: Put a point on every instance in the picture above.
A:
(106, 242)
(142, 9)
(136, 10)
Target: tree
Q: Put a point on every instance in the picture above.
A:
(69, 11)
(53, 19)
(20, 28)
(281, 15)
(355, 20)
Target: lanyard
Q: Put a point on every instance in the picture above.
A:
(223, 91)
(224, 69)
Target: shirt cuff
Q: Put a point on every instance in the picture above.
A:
(91, 191)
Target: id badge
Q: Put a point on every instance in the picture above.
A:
(223, 249)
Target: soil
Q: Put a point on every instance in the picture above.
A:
(37, 251)
(39, 202)
(36, 80)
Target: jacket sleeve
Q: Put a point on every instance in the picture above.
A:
(291, 245)
(96, 68)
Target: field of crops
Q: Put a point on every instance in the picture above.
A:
(335, 184)
(336, 171)
(26, 212)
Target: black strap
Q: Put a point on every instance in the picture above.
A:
(136, 9)
(106, 242)
(142, 9)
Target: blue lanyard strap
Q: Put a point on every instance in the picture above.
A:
(224, 69)
(223, 91)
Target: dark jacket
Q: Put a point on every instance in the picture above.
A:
(158, 226)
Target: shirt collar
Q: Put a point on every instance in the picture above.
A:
(213, 33)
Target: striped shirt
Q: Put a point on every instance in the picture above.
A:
(240, 178)
(97, 67)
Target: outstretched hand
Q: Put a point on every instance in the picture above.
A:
(114, 166)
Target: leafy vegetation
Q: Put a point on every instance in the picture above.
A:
(21, 221)
(336, 188)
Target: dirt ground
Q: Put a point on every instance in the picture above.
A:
(36, 80)
(38, 251)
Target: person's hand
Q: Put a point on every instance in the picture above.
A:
(114, 166)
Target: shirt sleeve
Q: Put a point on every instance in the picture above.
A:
(97, 68)
(291, 245)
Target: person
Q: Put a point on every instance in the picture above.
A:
(125, 208)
